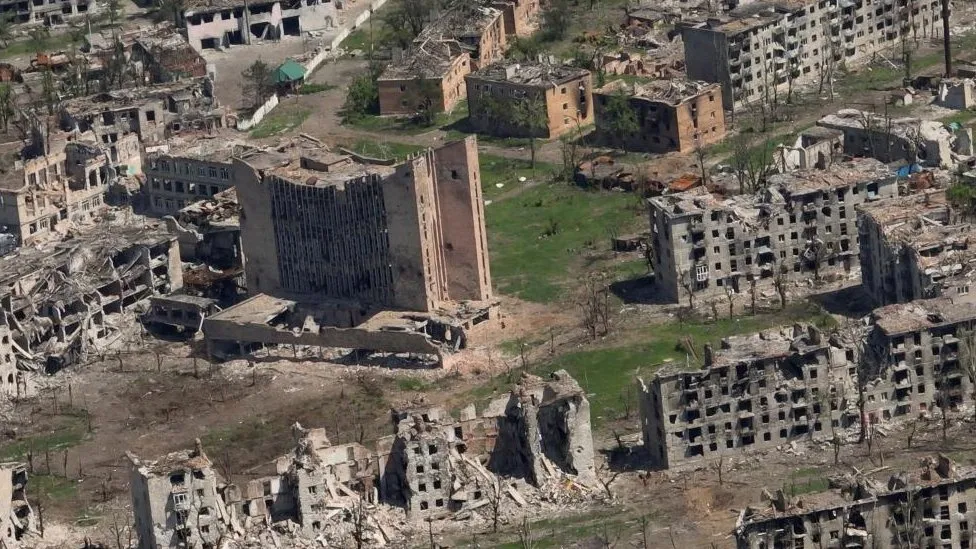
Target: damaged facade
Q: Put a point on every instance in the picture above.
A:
(803, 220)
(535, 439)
(179, 174)
(910, 140)
(220, 24)
(770, 45)
(61, 302)
(49, 13)
(392, 258)
(934, 507)
(167, 57)
(673, 115)
(562, 93)
(16, 515)
(910, 250)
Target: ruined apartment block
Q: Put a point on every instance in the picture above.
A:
(561, 92)
(61, 301)
(520, 17)
(935, 507)
(479, 29)
(756, 391)
(188, 171)
(764, 47)
(907, 140)
(16, 515)
(814, 148)
(432, 466)
(57, 179)
(956, 93)
(50, 13)
(429, 76)
(13, 382)
(154, 113)
(175, 501)
(435, 464)
(910, 250)
(803, 221)
(390, 258)
(167, 57)
(221, 24)
(674, 115)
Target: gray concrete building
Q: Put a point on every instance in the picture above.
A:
(178, 175)
(902, 140)
(762, 48)
(16, 514)
(175, 501)
(803, 221)
(51, 13)
(221, 24)
(933, 507)
(911, 250)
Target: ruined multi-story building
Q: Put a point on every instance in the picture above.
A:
(519, 16)
(175, 501)
(61, 178)
(756, 391)
(430, 76)
(153, 113)
(476, 26)
(13, 382)
(559, 98)
(432, 466)
(61, 301)
(671, 115)
(765, 47)
(908, 140)
(49, 13)
(401, 246)
(218, 25)
(166, 56)
(910, 250)
(16, 515)
(178, 175)
(935, 507)
(435, 464)
(814, 148)
(802, 220)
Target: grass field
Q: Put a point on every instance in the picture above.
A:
(608, 373)
(282, 119)
(68, 430)
(537, 237)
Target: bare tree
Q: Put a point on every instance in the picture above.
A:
(781, 279)
(593, 303)
(119, 528)
(701, 155)
(967, 357)
(607, 480)
(828, 56)
(730, 295)
(753, 291)
(524, 532)
(687, 282)
(494, 496)
(853, 335)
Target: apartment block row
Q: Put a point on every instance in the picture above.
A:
(431, 466)
(802, 221)
(761, 48)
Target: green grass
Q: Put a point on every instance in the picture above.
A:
(387, 150)
(280, 120)
(406, 125)
(53, 487)
(809, 480)
(247, 433)
(506, 171)
(310, 89)
(70, 431)
(536, 237)
(608, 373)
(411, 384)
(961, 117)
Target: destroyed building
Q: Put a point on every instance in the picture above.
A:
(763, 47)
(525, 445)
(13, 382)
(221, 24)
(175, 501)
(64, 300)
(802, 221)
(498, 94)
(815, 148)
(956, 93)
(908, 140)
(430, 76)
(476, 26)
(166, 56)
(673, 115)
(756, 391)
(934, 507)
(153, 113)
(911, 250)
(16, 515)
(520, 17)
(390, 258)
(50, 13)
(435, 464)
(182, 172)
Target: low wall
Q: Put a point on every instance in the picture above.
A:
(248, 123)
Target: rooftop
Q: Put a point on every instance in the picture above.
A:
(181, 460)
(427, 59)
(462, 19)
(130, 98)
(530, 73)
(672, 91)
(213, 148)
(902, 127)
(838, 174)
(776, 342)
(921, 314)
(904, 216)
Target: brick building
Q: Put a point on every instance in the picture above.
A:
(168, 57)
(672, 115)
(479, 29)
(430, 76)
(765, 45)
(559, 93)
(804, 220)
(519, 16)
